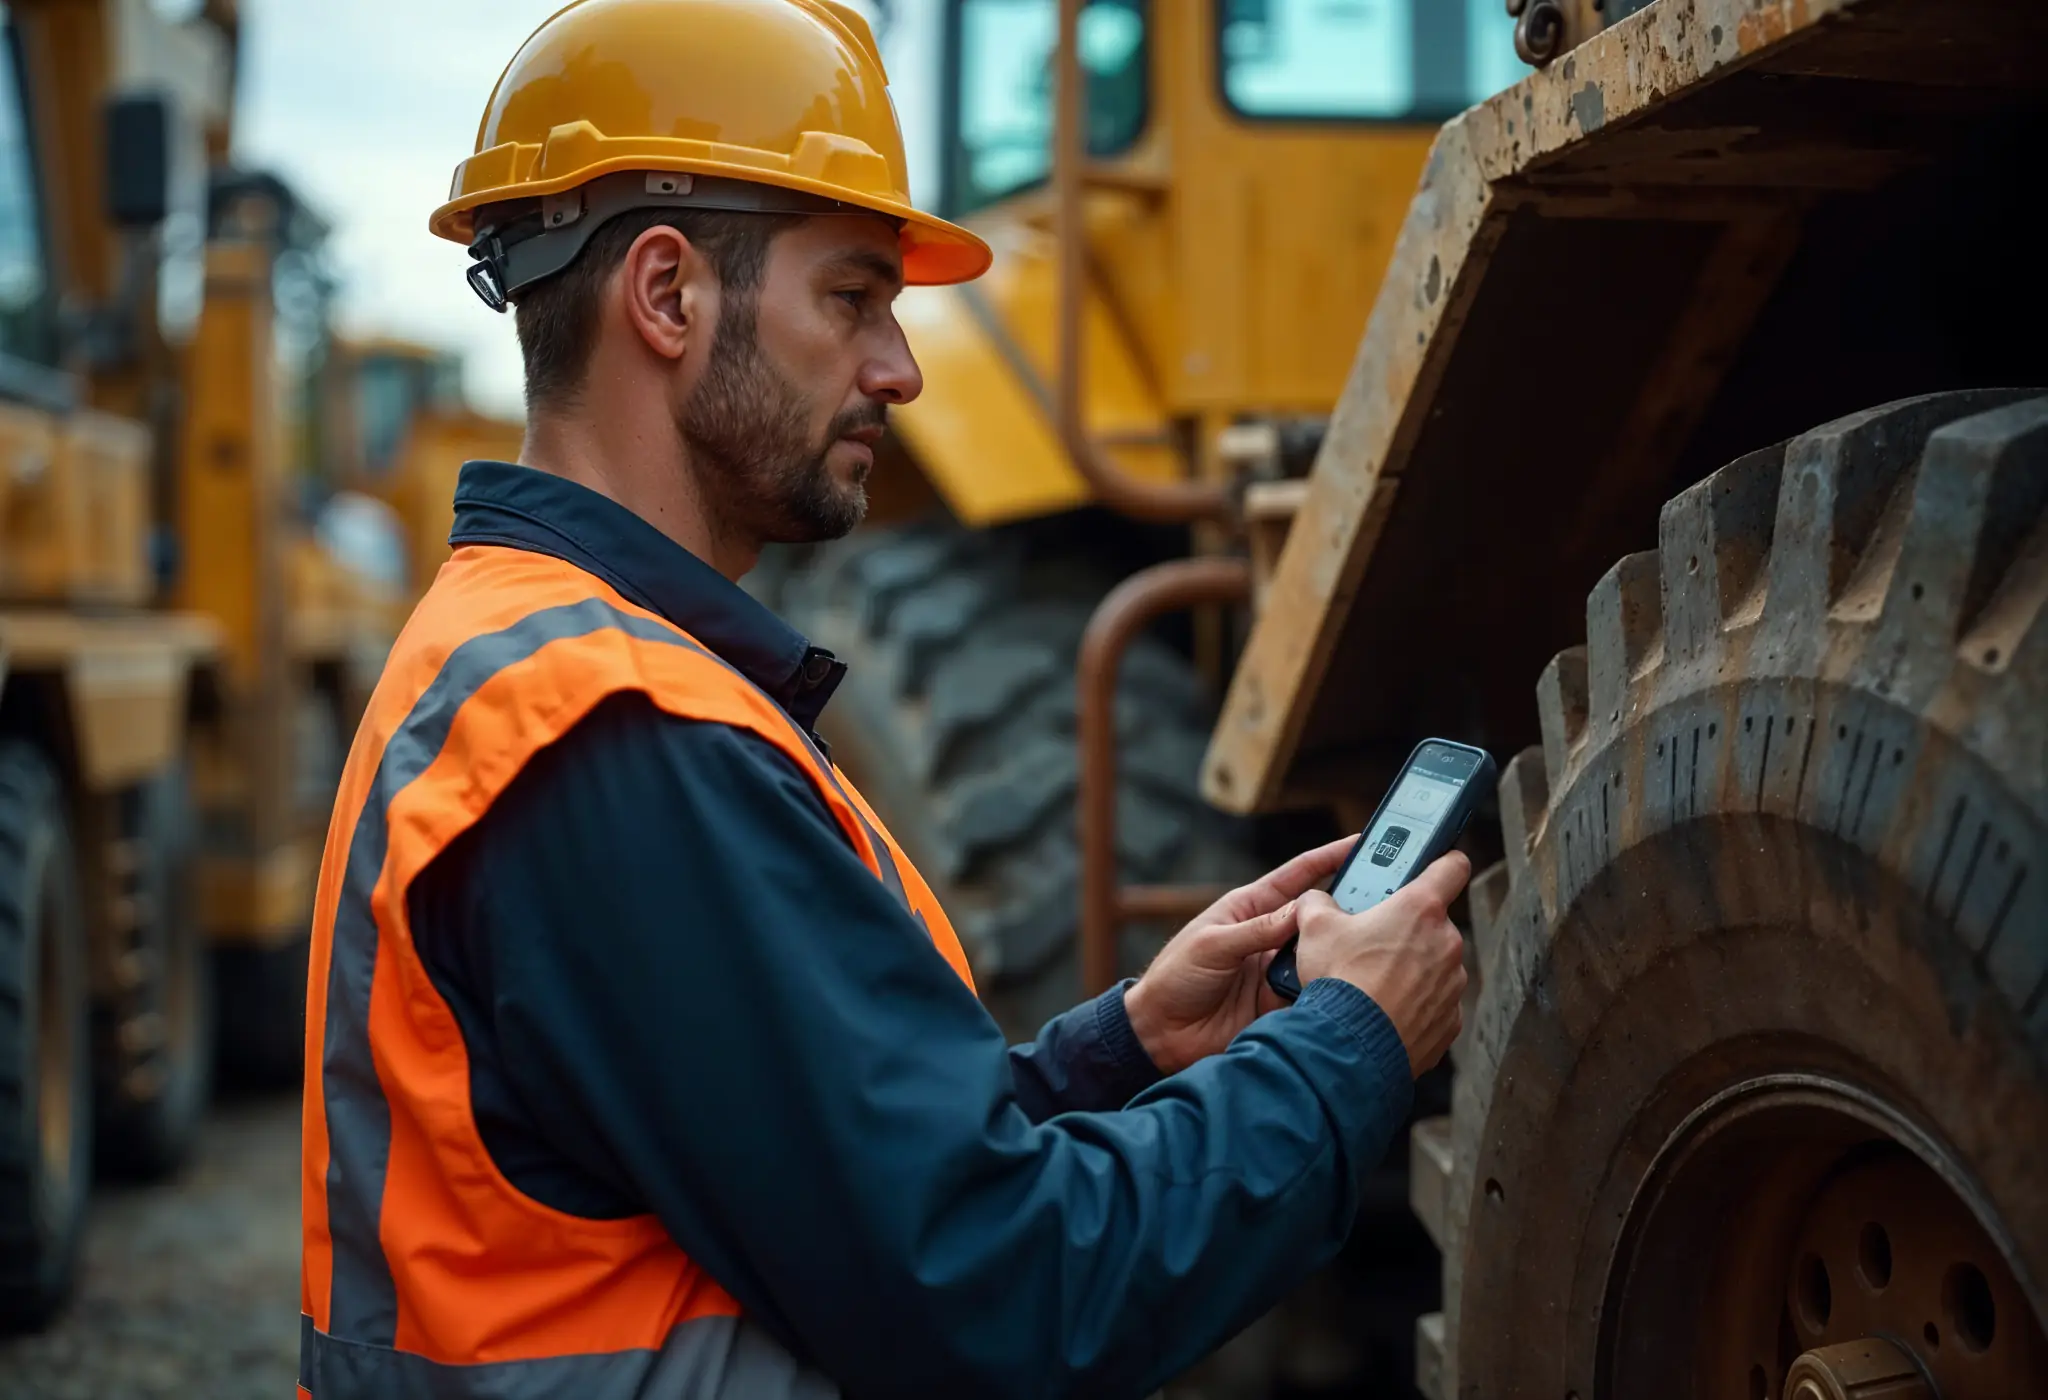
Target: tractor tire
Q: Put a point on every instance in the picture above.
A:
(956, 720)
(155, 1035)
(1758, 1070)
(45, 1045)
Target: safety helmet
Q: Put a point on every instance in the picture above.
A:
(773, 106)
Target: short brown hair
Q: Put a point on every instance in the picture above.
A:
(557, 317)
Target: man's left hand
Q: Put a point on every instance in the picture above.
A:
(1209, 983)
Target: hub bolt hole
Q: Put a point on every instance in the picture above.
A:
(1933, 1336)
(1972, 1314)
(1874, 1255)
(1493, 1191)
(1816, 1297)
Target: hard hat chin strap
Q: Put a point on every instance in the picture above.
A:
(525, 241)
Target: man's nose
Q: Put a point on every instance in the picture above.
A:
(891, 375)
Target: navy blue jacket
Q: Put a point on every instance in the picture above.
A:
(682, 993)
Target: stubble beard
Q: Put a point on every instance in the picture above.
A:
(747, 430)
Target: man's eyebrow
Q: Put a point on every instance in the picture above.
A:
(871, 263)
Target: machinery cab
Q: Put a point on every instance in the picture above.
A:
(1246, 166)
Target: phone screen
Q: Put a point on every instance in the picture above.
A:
(1420, 802)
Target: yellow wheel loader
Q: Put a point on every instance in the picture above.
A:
(178, 658)
(1697, 400)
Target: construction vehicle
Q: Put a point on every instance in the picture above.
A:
(1752, 1097)
(179, 655)
(388, 422)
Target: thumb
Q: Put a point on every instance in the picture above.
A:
(1257, 935)
(1314, 902)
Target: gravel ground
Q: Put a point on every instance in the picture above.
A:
(189, 1289)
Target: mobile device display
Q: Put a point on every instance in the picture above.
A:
(1421, 817)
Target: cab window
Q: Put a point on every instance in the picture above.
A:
(1364, 60)
(27, 311)
(1000, 78)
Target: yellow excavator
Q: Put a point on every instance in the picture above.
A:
(180, 657)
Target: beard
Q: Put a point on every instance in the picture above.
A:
(747, 430)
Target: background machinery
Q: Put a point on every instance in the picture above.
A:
(182, 658)
(1753, 1095)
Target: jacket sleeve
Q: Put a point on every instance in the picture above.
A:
(1087, 1060)
(702, 993)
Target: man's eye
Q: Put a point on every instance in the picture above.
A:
(856, 297)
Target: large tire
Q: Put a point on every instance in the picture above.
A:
(155, 1033)
(957, 721)
(1760, 1060)
(45, 1045)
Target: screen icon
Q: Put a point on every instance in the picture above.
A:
(1389, 845)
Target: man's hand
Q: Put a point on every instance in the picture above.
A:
(1404, 953)
(1209, 983)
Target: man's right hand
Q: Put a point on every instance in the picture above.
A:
(1404, 953)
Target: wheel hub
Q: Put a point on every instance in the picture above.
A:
(1843, 1260)
(1871, 1369)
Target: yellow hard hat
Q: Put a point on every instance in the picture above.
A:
(611, 105)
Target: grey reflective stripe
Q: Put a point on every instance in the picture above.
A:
(364, 1300)
(707, 1358)
(363, 1303)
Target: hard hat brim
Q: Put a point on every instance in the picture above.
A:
(935, 252)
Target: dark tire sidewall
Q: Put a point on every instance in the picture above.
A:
(43, 1218)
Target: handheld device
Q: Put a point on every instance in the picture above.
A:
(1421, 817)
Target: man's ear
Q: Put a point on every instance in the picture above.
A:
(666, 287)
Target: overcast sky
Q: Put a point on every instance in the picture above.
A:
(365, 108)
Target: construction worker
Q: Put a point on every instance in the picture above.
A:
(639, 1059)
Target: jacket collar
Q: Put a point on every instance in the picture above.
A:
(502, 504)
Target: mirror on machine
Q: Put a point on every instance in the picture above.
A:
(138, 173)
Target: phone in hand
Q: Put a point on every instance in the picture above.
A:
(1421, 817)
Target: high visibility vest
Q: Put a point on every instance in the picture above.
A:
(425, 1272)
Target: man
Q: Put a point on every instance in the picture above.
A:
(640, 1060)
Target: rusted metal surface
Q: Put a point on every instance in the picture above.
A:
(1150, 593)
(1771, 963)
(1115, 488)
(1576, 286)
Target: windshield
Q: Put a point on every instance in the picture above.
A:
(1364, 60)
(1001, 98)
(27, 320)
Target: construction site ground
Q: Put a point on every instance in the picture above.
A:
(189, 1288)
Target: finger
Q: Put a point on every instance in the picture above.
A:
(1314, 904)
(1307, 869)
(1444, 879)
(1259, 935)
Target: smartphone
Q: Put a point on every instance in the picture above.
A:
(1421, 817)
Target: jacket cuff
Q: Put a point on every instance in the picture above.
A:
(1128, 1069)
(1361, 1016)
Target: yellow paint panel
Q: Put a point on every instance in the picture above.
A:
(977, 431)
(982, 430)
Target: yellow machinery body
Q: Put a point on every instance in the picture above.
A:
(180, 658)
(393, 426)
(1230, 262)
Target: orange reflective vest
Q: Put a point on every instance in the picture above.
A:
(425, 1272)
